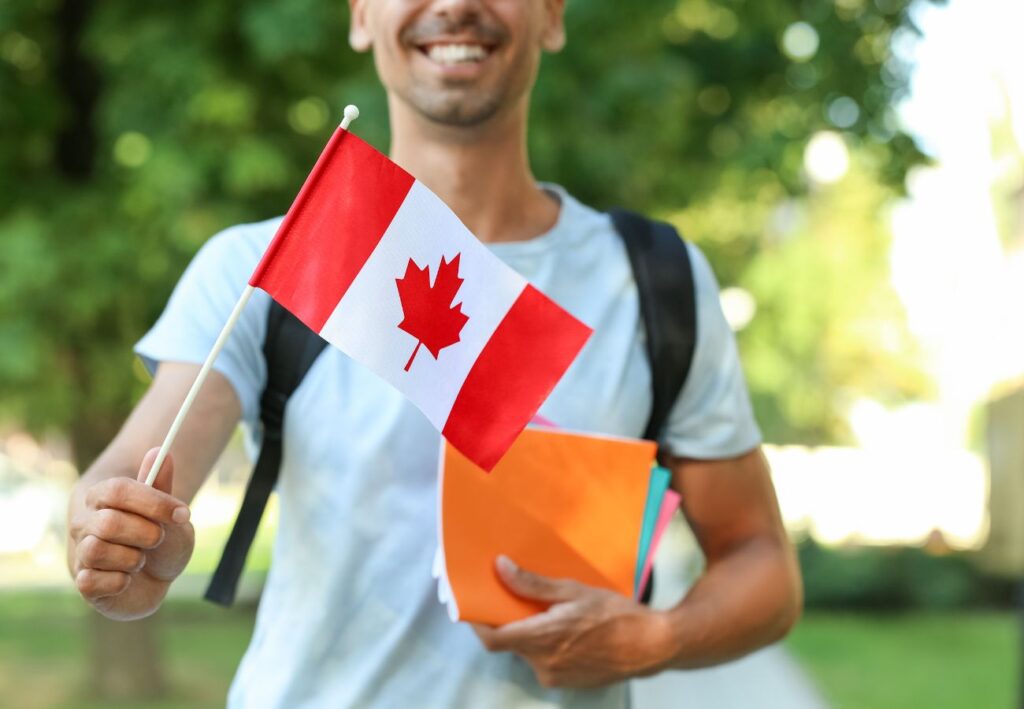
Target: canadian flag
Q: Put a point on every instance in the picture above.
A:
(381, 268)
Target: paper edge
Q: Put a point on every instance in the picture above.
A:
(670, 504)
(445, 594)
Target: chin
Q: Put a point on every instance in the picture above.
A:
(457, 111)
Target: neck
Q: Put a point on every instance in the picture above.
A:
(481, 172)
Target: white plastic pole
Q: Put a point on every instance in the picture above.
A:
(198, 383)
(351, 113)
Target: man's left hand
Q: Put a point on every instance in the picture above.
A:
(588, 637)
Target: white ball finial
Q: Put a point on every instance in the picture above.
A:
(351, 113)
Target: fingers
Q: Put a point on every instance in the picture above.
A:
(118, 527)
(533, 586)
(519, 636)
(511, 638)
(94, 584)
(488, 636)
(165, 478)
(137, 498)
(94, 553)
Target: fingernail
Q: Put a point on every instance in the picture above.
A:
(181, 515)
(506, 564)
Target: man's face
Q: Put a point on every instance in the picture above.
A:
(457, 62)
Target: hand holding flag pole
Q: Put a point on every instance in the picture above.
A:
(351, 113)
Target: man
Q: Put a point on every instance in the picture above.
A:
(349, 615)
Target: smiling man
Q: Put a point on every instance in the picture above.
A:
(349, 615)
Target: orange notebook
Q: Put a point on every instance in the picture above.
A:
(561, 504)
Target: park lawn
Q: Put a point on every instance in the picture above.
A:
(934, 660)
(892, 661)
(44, 641)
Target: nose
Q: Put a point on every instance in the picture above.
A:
(455, 10)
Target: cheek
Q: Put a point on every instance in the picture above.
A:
(524, 19)
(525, 28)
(384, 20)
(391, 60)
(523, 65)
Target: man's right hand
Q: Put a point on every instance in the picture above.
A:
(129, 541)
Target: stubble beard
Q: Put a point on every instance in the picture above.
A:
(454, 108)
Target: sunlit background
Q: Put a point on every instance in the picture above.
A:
(854, 170)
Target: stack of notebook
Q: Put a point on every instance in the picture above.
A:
(566, 505)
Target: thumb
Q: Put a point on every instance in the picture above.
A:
(527, 584)
(165, 478)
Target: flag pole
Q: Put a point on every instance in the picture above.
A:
(198, 383)
(351, 113)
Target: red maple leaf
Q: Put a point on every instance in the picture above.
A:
(428, 311)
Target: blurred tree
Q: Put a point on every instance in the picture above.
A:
(130, 132)
(702, 112)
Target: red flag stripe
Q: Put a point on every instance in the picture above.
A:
(516, 370)
(357, 193)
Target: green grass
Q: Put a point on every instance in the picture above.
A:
(44, 644)
(939, 661)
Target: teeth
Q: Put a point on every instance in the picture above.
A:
(456, 53)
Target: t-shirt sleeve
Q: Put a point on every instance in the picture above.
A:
(200, 305)
(712, 418)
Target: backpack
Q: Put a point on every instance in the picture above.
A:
(661, 267)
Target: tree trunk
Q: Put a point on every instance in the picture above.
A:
(124, 660)
(124, 657)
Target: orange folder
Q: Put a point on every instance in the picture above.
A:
(566, 505)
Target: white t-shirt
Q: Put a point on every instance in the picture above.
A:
(349, 615)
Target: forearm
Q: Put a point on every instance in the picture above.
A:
(747, 599)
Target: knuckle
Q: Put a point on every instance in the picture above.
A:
(151, 535)
(524, 579)
(90, 550)
(85, 582)
(123, 581)
(138, 562)
(118, 491)
(575, 588)
(77, 526)
(108, 523)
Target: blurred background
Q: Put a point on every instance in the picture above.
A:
(854, 170)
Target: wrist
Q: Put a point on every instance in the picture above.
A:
(659, 629)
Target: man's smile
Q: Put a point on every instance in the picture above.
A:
(451, 53)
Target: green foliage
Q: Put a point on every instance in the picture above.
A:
(897, 578)
(130, 132)
(829, 327)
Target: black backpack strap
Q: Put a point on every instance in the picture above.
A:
(668, 307)
(290, 348)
